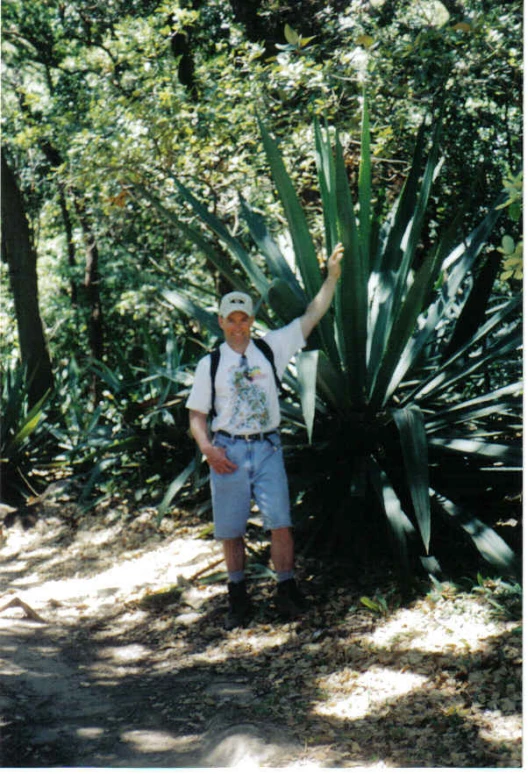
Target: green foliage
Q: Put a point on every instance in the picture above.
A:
(505, 598)
(23, 442)
(96, 118)
(513, 252)
(128, 442)
(398, 419)
(377, 605)
(137, 431)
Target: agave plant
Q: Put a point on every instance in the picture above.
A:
(23, 442)
(134, 432)
(407, 409)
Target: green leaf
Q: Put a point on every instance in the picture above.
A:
(508, 245)
(414, 229)
(291, 36)
(490, 545)
(388, 261)
(413, 439)
(174, 488)
(28, 425)
(275, 260)
(508, 455)
(218, 260)
(458, 367)
(327, 182)
(331, 385)
(365, 186)
(455, 267)
(401, 331)
(191, 309)
(399, 523)
(305, 254)
(216, 225)
(284, 301)
(352, 292)
(306, 363)
(477, 408)
(370, 603)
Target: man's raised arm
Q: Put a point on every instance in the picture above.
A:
(318, 307)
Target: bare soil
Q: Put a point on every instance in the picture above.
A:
(114, 654)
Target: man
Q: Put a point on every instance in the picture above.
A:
(244, 451)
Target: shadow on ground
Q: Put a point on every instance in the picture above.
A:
(157, 693)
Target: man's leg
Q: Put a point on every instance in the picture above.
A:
(272, 496)
(239, 602)
(282, 550)
(290, 601)
(235, 557)
(231, 495)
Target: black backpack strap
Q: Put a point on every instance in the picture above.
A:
(215, 360)
(268, 354)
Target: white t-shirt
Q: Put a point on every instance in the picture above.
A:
(246, 396)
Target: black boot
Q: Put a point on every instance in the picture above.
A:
(289, 600)
(239, 605)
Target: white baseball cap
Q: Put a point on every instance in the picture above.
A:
(236, 302)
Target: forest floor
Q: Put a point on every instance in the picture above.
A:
(114, 655)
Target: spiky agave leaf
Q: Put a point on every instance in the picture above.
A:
(305, 253)
(505, 401)
(383, 276)
(277, 263)
(351, 295)
(204, 246)
(490, 545)
(413, 439)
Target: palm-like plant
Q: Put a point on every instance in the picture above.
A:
(391, 386)
(24, 443)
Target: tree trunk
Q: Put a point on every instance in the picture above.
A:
(20, 255)
(91, 271)
(55, 159)
(92, 287)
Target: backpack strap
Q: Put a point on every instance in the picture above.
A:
(268, 354)
(215, 360)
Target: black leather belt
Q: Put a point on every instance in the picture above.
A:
(248, 436)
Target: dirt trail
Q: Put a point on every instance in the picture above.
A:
(131, 667)
(89, 686)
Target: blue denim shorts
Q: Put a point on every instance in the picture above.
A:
(260, 476)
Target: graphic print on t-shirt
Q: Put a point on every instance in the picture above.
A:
(250, 405)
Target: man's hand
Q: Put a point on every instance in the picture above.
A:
(334, 262)
(215, 455)
(218, 460)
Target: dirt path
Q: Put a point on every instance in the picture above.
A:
(130, 666)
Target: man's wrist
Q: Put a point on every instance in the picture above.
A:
(206, 448)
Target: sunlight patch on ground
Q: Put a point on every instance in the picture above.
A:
(495, 727)
(232, 646)
(453, 630)
(125, 653)
(90, 732)
(130, 574)
(365, 694)
(157, 741)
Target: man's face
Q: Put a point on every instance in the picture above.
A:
(237, 330)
